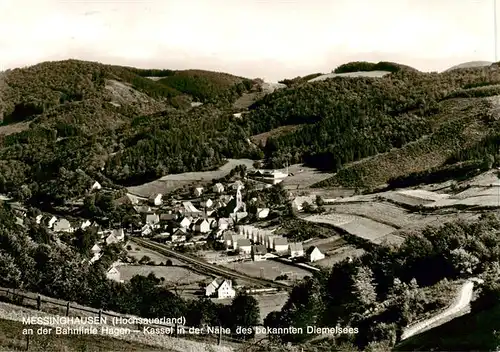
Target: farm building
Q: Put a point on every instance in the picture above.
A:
(244, 246)
(207, 203)
(237, 185)
(39, 218)
(95, 186)
(202, 226)
(314, 254)
(113, 274)
(156, 199)
(221, 289)
(63, 225)
(51, 222)
(218, 188)
(198, 191)
(179, 235)
(85, 224)
(296, 250)
(234, 240)
(185, 222)
(259, 252)
(152, 219)
(223, 224)
(280, 244)
(95, 249)
(262, 213)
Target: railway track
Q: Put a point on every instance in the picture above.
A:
(162, 249)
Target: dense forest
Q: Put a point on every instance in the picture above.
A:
(389, 287)
(84, 121)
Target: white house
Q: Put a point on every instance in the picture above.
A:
(85, 224)
(244, 246)
(153, 220)
(156, 199)
(112, 239)
(221, 289)
(51, 222)
(146, 230)
(259, 252)
(314, 254)
(295, 250)
(280, 245)
(185, 222)
(95, 249)
(262, 213)
(218, 188)
(223, 224)
(207, 203)
(119, 234)
(63, 225)
(198, 191)
(38, 219)
(95, 186)
(95, 257)
(113, 274)
(202, 226)
(179, 235)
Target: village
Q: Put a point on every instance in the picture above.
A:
(211, 222)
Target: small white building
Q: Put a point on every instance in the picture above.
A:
(185, 222)
(95, 249)
(119, 234)
(156, 199)
(221, 289)
(280, 245)
(218, 188)
(63, 225)
(152, 220)
(223, 224)
(51, 222)
(244, 246)
(179, 235)
(95, 186)
(314, 254)
(207, 203)
(113, 274)
(259, 252)
(202, 226)
(38, 219)
(85, 224)
(262, 213)
(296, 250)
(198, 191)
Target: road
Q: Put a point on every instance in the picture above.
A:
(463, 299)
(211, 268)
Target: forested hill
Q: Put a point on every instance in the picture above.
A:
(66, 123)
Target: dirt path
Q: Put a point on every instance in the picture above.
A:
(462, 301)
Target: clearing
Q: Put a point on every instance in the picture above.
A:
(372, 74)
(172, 182)
(138, 252)
(12, 128)
(301, 176)
(173, 275)
(268, 269)
(261, 139)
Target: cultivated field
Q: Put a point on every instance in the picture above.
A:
(12, 128)
(172, 182)
(338, 255)
(373, 74)
(173, 275)
(263, 137)
(304, 177)
(268, 269)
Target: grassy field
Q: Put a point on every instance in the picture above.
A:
(12, 339)
(304, 176)
(173, 275)
(270, 269)
(472, 332)
(262, 138)
(172, 182)
(139, 252)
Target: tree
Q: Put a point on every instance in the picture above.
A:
(319, 201)
(245, 312)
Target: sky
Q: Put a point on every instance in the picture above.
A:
(271, 39)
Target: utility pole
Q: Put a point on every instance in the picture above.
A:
(495, 28)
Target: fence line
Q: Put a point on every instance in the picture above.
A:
(17, 297)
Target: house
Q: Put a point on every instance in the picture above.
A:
(119, 234)
(262, 213)
(156, 199)
(223, 224)
(142, 209)
(280, 244)
(127, 199)
(314, 254)
(190, 209)
(112, 239)
(113, 274)
(95, 186)
(63, 225)
(185, 222)
(221, 289)
(51, 222)
(227, 238)
(38, 219)
(95, 249)
(146, 230)
(202, 226)
(244, 246)
(259, 252)
(85, 224)
(295, 250)
(218, 188)
(234, 240)
(207, 203)
(237, 185)
(152, 220)
(238, 216)
(168, 217)
(95, 257)
(179, 235)
(198, 191)
(19, 221)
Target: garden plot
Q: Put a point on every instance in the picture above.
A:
(382, 212)
(267, 269)
(478, 192)
(173, 275)
(351, 199)
(481, 200)
(404, 199)
(355, 225)
(423, 194)
(338, 255)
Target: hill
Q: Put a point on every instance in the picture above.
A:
(470, 64)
